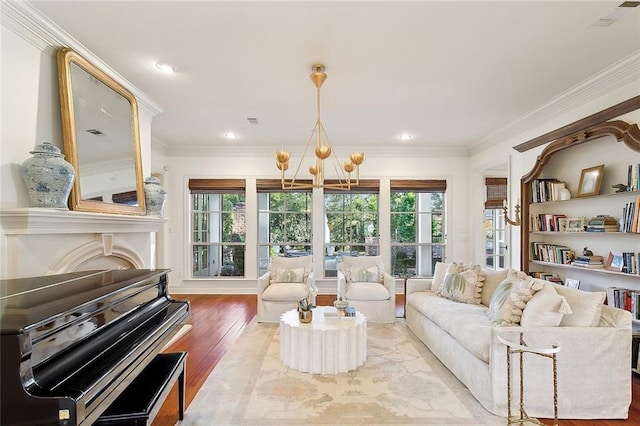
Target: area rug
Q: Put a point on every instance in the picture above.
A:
(400, 383)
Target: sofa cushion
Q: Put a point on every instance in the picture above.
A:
(462, 283)
(511, 297)
(285, 292)
(586, 306)
(545, 309)
(467, 323)
(366, 291)
(492, 279)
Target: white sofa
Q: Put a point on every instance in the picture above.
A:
(594, 362)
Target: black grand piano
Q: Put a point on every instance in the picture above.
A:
(72, 343)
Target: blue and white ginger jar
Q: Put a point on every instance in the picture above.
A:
(154, 196)
(48, 177)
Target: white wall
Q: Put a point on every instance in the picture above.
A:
(30, 98)
(181, 169)
(30, 105)
(30, 115)
(521, 163)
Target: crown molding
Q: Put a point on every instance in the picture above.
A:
(616, 76)
(29, 23)
(382, 152)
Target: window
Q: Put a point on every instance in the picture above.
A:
(417, 226)
(494, 224)
(351, 223)
(218, 227)
(284, 222)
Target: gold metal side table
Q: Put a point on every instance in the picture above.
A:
(521, 348)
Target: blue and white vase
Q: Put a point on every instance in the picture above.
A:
(154, 196)
(48, 177)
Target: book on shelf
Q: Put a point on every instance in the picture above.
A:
(551, 253)
(601, 220)
(546, 189)
(631, 216)
(546, 222)
(603, 223)
(588, 259)
(624, 298)
(606, 228)
(547, 276)
(630, 262)
(636, 213)
(588, 265)
(633, 177)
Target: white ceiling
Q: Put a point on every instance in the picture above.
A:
(451, 73)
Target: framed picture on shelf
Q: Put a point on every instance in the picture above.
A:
(614, 262)
(572, 283)
(590, 181)
(563, 224)
(575, 224)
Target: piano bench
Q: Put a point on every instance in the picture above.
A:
(140, 402)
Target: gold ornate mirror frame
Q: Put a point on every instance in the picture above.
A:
(101, 135)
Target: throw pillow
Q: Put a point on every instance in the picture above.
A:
(350, 264)
(277, 262)
(491, 281)
(283, 275)
(545, 309)
(510, 298)
(462, 283)
(368, 275)
(438, 275)
(586, 306)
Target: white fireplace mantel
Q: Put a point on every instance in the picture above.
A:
(41, 241)
(60, 221)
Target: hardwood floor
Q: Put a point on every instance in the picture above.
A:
(218, 320)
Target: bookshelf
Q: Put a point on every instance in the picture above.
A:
(616, 145)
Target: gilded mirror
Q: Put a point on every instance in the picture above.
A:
(101, 138)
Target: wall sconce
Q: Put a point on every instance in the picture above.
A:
(505, 211)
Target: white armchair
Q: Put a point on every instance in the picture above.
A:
(363, 283)
(288, 280)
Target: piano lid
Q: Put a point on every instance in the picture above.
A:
(31, 301)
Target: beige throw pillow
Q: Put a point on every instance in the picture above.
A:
(355, 264)
(491, 281)
(281, 262)
(545, 309)
(438, 275)
(368, 275)
(510, 299)
(462, 283)
(586, 306)
(283, 275)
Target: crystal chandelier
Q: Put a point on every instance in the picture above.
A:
(323, 152)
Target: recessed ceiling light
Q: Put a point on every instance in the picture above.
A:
(231, 135)
(166, 67)
(405, 136)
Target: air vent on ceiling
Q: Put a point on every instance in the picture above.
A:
(630, 4)
(252, 120)
(95, 132)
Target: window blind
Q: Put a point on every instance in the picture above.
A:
(370, 186)
(203, 186)
(496, 192)
(275, 185)
(419, 185)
